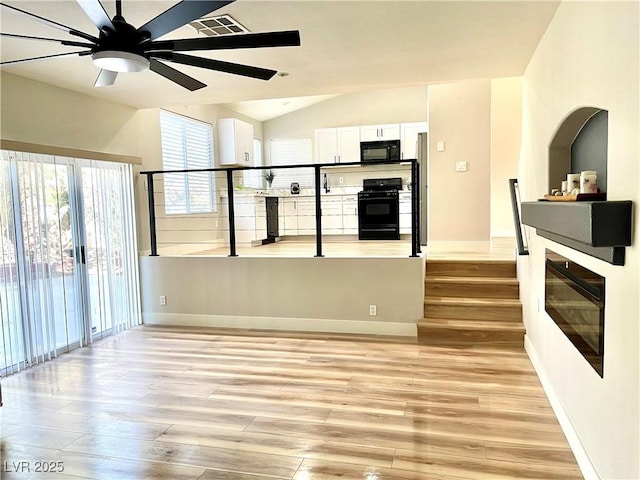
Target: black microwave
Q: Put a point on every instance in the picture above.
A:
(380, 150)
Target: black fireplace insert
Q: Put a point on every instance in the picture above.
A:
(574, 298)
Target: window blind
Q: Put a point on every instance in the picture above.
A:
(292, 151)
(187, 144)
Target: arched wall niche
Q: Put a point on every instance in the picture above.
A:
(560, 163)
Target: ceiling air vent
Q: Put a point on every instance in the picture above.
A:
(219, 25)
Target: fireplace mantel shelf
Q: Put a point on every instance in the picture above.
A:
(598, 228)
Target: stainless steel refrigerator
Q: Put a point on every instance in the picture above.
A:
(422, 150)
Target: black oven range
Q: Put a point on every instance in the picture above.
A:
(379, 209)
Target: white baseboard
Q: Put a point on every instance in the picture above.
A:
(502, 232)
(586, 467)
(276, 323)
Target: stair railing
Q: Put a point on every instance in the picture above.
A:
(514, 190)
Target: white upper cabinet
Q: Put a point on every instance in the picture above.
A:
(409, 138)
(348, 144)
(337, 145)
(326, 145)
(380, 132)
(235, 140)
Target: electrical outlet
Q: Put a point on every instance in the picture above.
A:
(373, 310)
(341, 180)
(163, 300)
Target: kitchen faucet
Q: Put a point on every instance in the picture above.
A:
(326, 184)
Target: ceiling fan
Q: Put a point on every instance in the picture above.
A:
(120, 47)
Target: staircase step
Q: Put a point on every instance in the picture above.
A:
(505, 309)
(465, 268)
(451, 332)
(485, 287)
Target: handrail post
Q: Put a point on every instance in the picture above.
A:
(232, 220)
(318, 213)
(414, 214)
(152, 215)
(517, 224)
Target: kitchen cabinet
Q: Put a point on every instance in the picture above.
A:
(299, 215)
(235, 142)
(409, 138)
(350, 214)
(261, 218)
(337, 145)
(290, 216)
(405, 212)
(306, 216)
(332, 215)
(250, 215)
(380, 132)
(339, 215)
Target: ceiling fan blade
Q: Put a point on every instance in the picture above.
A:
(105, 78)
(180, 14)
(174, 75)
(227, 67)
(289, 38)
(51, 23)
(33, 59)
(61, 42)
(96, 12)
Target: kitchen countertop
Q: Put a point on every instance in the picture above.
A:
(280, 193)
(284, 193)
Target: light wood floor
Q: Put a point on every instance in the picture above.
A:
(495, 249)
(171, 403)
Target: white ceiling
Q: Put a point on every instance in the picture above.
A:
(346, 46)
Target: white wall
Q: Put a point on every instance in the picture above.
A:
(506, 137)
(459, 202)
(589, 56)
(394, 105)
(34, 112)
(317, 294)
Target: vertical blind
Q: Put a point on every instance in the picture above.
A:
(292, 151)
(68, 260)
(187, 144)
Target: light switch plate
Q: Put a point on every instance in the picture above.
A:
(461, 166)
(440, 146)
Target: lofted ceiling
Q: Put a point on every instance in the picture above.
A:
(347, 46)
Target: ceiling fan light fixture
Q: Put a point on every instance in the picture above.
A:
(117, 61)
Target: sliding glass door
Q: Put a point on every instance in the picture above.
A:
(68, 268)
(12, 339)
(107, 228)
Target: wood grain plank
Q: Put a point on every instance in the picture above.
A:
(222, 404)
(250, 441)
(193, 455)
(486, 469)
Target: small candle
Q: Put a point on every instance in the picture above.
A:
(573, 181)
(588, 182)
